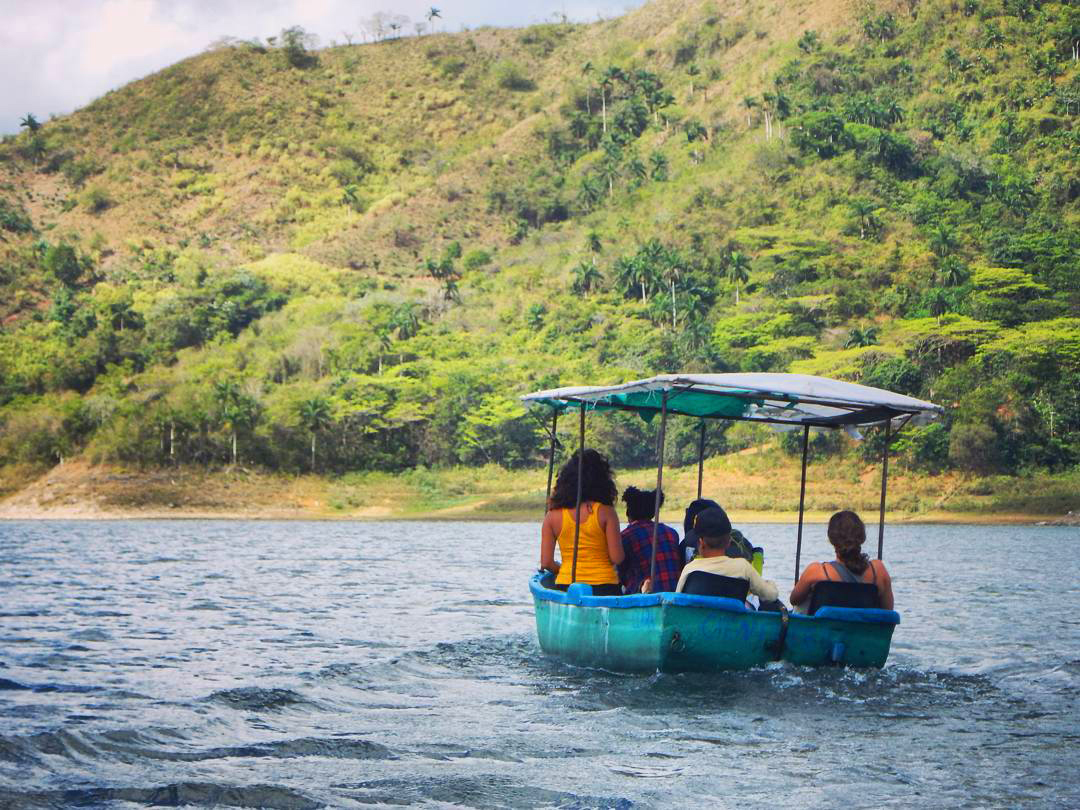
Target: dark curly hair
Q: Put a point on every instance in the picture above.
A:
(641, 503)
(598, 483)
(847, 533)
(693, 510)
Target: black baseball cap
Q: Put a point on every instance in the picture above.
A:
(693, 510)
(710, 522)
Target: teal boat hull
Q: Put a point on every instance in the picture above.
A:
(675, 632)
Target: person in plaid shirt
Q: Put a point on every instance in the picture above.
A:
(637, 545)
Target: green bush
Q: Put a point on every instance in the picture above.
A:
(509, 76)
(476, 259)
(973, 447)
(13, 217)
(95, 200)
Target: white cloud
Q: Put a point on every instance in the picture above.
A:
(57, 55)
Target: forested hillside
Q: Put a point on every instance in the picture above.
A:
(359, 257)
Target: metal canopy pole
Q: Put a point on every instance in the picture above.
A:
(577, 507)
(551, 457)
(802, 498)
(659, 483)
(700, 457)
(884, 482)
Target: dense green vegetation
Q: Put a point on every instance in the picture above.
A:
(358, 258)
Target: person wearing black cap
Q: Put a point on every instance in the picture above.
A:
(713, 530)
(738, 547)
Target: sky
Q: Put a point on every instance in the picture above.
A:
(59, 55)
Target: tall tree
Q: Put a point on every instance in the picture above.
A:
(608, 79)
(315, 417)
(672, 273)
(406, 320)
(693, 71)
(593, 244)
(942, 240)
(749, 103)
(30, 123)
(659, 164)
(433, 14)
(587, 277)
(237, 410)
(863, 210)
(738, 270)
(587, 70)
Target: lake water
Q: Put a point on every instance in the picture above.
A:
(294, 665)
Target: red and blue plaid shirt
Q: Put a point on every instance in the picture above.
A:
(637, 545)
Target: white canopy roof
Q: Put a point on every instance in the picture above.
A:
(792, 399)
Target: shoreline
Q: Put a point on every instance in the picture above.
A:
(751, 487)
(83, 513)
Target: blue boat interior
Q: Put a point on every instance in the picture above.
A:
(580, 595)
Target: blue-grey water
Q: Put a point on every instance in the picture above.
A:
(295, 665)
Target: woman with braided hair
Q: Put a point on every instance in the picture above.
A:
(847, 533)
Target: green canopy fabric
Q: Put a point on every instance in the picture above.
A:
(791, 399)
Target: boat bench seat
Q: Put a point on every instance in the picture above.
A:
(842, 594)
(702, 583)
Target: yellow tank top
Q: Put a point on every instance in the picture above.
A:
(593, 564)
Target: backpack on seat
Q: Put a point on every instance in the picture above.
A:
(702, 583)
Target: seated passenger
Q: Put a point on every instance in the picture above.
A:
(847, 533)
(713, 531)
(739, 547)
(599, 545)
(637, 544)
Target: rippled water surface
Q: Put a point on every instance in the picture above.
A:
(294, 665)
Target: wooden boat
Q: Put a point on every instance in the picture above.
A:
(676, 632)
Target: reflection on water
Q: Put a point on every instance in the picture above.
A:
(302, 665)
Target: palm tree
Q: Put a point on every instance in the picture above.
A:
(608, 171)
(593, 244)
(431, 15)
(942, 240)
(938, 303)
(767, 100)
(952, 272)
(587, 277)
(659, 164)
(406, 320)
(590, 192)
(672, 274)
(350, 195)
(692, 70)
(864, 214)
(894, 113)
(385, 344)
(664, 98)
(30, 123)
(624, 271)
(315, 416)
(450, 291)
(749, 103)
(238, 410)
(858, 337)
(607, 82)
(587, 70)
(738, 270)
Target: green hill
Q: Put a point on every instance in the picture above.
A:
(359, 257)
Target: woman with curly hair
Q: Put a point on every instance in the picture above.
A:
(637, 540)
(847, 533)
(599, 544)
